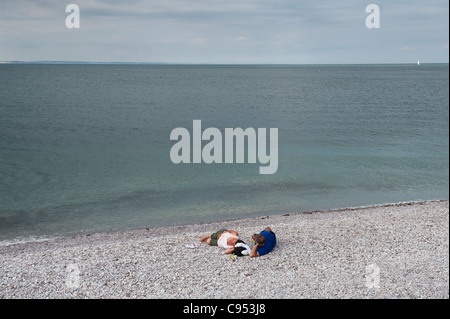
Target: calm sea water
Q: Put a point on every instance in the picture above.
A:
(85, 148)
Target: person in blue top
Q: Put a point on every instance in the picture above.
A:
(264, 242)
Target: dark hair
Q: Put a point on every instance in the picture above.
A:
(241, 250)
(260, 239)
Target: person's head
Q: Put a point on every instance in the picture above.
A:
(232, 241)
(259, 239)
(241, 248)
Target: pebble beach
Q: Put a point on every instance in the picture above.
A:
(389, 251)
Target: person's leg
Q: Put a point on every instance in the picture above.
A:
(212, 241)
(205, 238)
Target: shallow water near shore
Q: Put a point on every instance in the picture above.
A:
(85, 148)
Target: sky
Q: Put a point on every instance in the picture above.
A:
(226, 31)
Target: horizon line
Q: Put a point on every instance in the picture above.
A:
(198, 63)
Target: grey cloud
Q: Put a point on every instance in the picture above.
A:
(235, 31)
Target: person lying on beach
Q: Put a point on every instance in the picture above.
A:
(264, 242)
(223, 238)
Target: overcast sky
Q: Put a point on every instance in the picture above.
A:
(226, 31)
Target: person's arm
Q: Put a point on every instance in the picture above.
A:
(229, 250)
(233, 232)
(254, 252)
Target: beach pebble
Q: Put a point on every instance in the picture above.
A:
(392, 251)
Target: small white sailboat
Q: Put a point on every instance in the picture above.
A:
(418, 62)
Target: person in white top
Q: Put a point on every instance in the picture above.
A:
(223, 238)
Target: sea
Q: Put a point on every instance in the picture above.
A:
(85, 148)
